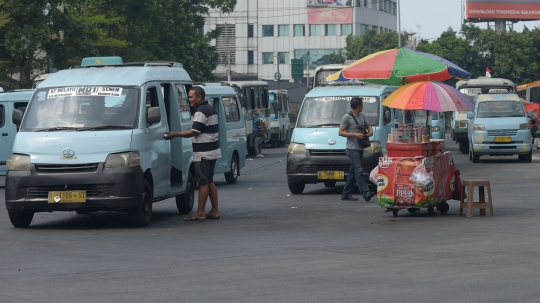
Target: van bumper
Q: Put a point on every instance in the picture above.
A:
(305, 168)
(106, 189)
(502, 149)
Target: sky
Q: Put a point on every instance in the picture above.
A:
(434, 17)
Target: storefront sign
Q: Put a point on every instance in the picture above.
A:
(330, 15)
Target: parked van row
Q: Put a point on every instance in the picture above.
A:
(92, 139)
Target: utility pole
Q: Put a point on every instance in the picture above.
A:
(61, 32)
(229, 65)
(399, 23)
(307, 75)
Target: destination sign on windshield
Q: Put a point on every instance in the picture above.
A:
(105, 91)
(366, 99)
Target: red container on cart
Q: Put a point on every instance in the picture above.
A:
(396, 149)
(438, 147)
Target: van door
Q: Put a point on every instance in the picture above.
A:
(185, 123)
(221, 163)
(157, 148)
(5, 138)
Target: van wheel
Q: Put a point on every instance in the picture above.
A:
(475, 157)
(231, 176)
(528, 157)
(185, 201)
(274, 143)
(296, 187)
(141, 214)
(21, 218)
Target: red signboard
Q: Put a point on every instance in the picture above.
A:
(326, 15)
(480, 10)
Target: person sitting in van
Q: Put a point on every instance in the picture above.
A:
(259, 131)
(349, 129)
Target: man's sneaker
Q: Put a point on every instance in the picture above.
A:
(369, 196)
(350, 198)
(259, 156)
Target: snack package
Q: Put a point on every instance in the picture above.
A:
(374, 175)
(421, 177)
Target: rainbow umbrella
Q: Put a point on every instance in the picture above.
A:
(428, 95)
(394, 66)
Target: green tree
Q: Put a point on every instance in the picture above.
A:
(370, 42)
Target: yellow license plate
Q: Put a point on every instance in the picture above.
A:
(503, 139)
(74, 196)
(331, 175)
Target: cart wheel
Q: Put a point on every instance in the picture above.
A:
(443, 207)
(395, 212)
(412, 210)
(430, 210)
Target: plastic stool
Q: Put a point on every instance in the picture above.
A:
(470, 204)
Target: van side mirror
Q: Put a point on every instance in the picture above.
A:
(470, 115)
(387, 117)
(16, 117)
(530, 114)
(153, 116)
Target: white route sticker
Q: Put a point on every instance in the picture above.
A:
(106, 91)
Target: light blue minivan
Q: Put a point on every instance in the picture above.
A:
(232, 130)
(316, 153)
(15, 99)
(499, 126)
(92, 139)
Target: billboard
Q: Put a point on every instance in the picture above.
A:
(330, 15)
(329, 3)
(486, 10)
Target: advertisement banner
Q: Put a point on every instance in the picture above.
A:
(502, 9)
(395, 189)
(329, 3)
(330, 15)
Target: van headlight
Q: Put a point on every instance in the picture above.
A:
(436, 129)
(479, 127)
(18, 162)
(296, 149)
(374, 148)
(129, 159)
(525, 126)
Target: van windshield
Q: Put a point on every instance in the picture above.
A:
(328, 111)
(496, 109)
(82, 108)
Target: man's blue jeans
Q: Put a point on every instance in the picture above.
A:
(356, 177)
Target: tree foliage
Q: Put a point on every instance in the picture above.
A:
(136, 30)
(370, 42)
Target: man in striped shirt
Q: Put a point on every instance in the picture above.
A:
(204, 134)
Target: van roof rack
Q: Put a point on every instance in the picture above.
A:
(155, 63)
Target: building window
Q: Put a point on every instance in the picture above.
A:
(314, 30)
(346, 29)
(250, 30)
(283, 58)
(330, 29)
(283, 30)
(363, 28)
(299, 30)
(225, 43)
(268, 30)
(268, 58)
(250, 58)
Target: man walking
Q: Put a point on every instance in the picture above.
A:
(349, 129)
(204, 134)
(259, 132)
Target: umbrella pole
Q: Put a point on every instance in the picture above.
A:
(428, 123)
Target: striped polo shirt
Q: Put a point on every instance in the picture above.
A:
(205, 122)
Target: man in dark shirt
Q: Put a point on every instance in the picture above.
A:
(204, 134)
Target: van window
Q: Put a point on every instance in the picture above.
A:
(328, 111)
(232, 112)
(254, 97)
(264, 97)
(151, 99)
(82, 107)
(2, 115)
(183, 100)
(496, 109)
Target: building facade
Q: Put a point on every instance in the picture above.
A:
(262, 36)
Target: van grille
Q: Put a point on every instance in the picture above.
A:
(62, 168)
(313, 169)
(507, 132)
(503, 147)
(327, 152)
(91, 190)
(462, 124)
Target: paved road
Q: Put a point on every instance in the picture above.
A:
(271, 246)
